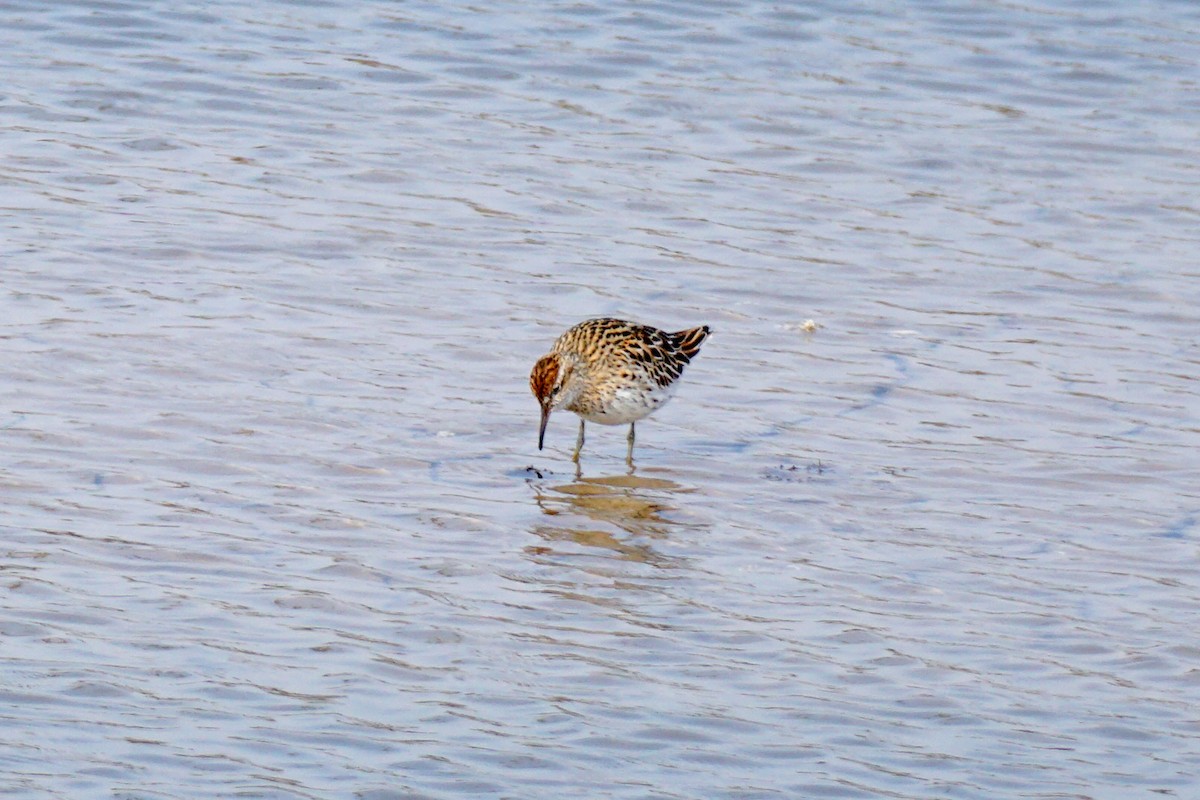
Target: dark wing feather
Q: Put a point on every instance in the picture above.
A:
(688, 342)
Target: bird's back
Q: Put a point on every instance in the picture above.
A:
(613, 347)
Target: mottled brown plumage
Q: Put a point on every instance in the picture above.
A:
(612, 372)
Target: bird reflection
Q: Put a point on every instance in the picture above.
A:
(634, 504)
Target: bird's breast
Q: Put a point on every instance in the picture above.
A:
(622, 404)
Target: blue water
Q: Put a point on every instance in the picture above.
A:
(272, 278)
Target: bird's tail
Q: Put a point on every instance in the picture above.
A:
(689, 341)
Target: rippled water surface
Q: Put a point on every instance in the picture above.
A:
(272, 277)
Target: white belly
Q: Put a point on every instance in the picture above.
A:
(627, 404)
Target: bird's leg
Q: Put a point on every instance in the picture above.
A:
(629, 455)
(578, 442)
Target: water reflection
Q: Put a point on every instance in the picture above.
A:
(630, 504)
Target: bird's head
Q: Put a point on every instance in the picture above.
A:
(555, 383)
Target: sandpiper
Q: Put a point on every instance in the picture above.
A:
(612, 372)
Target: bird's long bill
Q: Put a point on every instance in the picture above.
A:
(542, 427)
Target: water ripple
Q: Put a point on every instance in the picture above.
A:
(275, 521)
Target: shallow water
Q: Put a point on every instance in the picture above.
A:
(273, 276)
